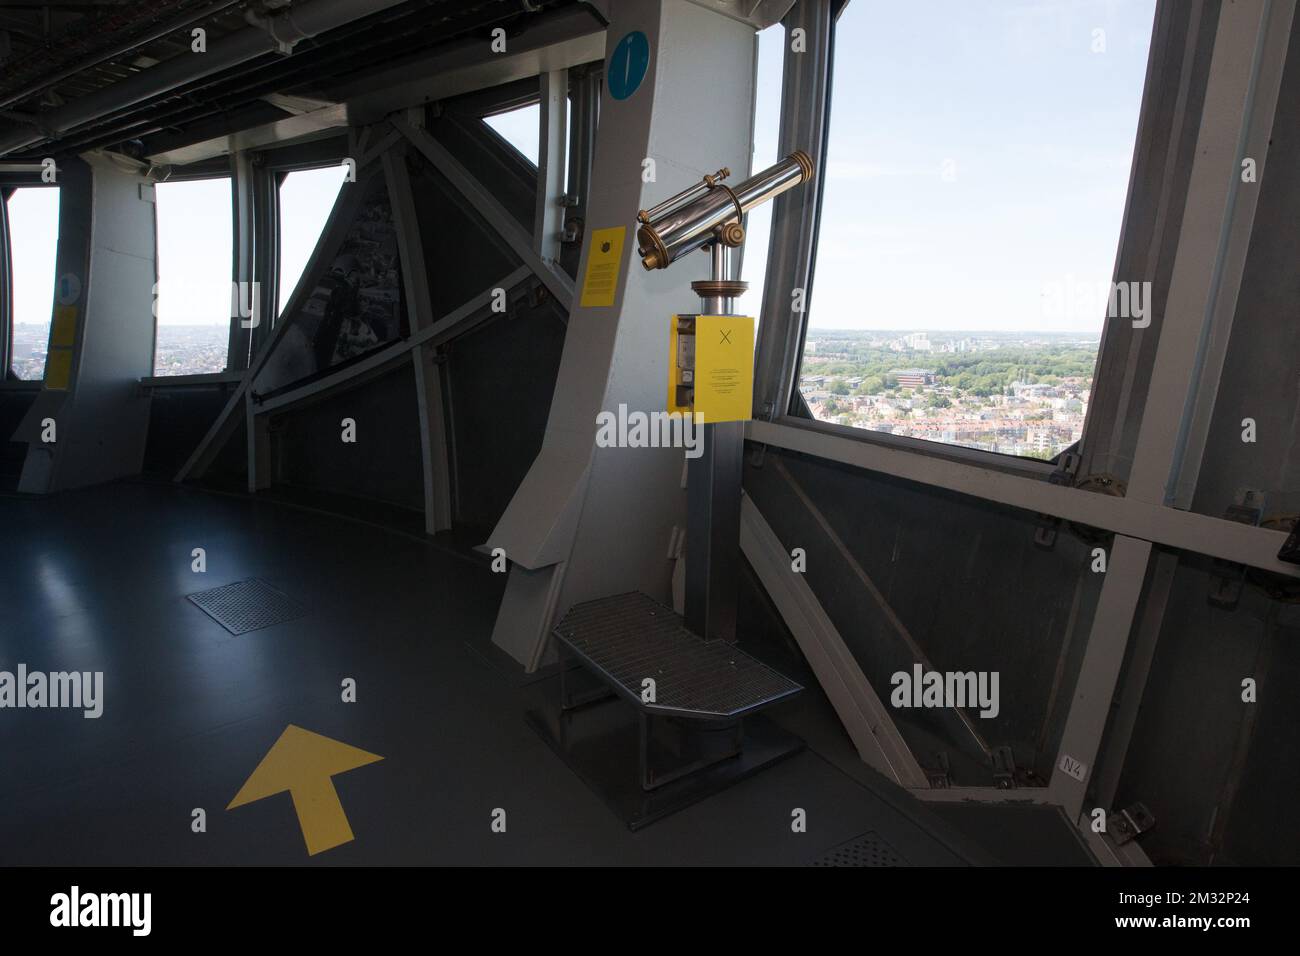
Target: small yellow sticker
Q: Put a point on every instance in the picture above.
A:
(58, 368)
(65, 325)
(604, 260)
(724, 368)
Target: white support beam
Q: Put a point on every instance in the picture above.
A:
(552, 141)
(381, 144)
(433, 438)
(1256, 137)
(1203, 246)
(1201, 264)
(216, 435)
(860, 710)
(456, 322)
(1112, 621)
(556, 41)
(435, 461)
(480, 197)
(1187, 531)
(333, 116)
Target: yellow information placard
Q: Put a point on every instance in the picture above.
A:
(58, 368)
(724, 368)
(65, 326)
(604, 260)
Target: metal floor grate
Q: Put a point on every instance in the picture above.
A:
(629, 637)
(866, 850)
(246, 606)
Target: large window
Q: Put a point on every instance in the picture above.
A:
(195, 249)
(976, 175)
(306, 198)
(34, 240)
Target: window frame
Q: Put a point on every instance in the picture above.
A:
(8, 183)
(269, 165)
(185, 174)
(807, 92)
(276, 252)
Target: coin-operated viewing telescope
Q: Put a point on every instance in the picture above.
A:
(711, 373)
(715, 380)
(694, 218)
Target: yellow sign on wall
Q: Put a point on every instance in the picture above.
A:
(604, 260)
(64, 332)
(58, 368)
(724, 368)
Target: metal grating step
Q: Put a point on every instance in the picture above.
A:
(866, 850)
(629, 637)
(246, 606)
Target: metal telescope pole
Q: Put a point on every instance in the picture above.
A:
(713, 483)
(708, 215)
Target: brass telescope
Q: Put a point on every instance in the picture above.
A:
(710, 211)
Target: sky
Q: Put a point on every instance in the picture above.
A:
(519, 128)
(194, 252)
(306, 198)
(1039, 130)
(976, 175)
(194, 244)
(34, 224)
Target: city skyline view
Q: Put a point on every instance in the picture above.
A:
(1013, 393)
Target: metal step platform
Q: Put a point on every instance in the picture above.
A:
(686, 734)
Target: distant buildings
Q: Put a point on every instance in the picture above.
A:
(913, 377)
(1029, 418)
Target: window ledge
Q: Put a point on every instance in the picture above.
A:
(1009, 464)
(204, 378)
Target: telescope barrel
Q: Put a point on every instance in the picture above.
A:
(685, 196)
(688, 227)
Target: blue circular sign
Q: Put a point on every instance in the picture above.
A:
(628, 65)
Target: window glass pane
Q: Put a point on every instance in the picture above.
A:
(519, 128)
(977, 169)
(306, 198)
(767, 133)
(195, 247)
(34, 240)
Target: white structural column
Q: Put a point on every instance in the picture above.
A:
(551, 146)
(1198, 273)
(608, 513)
(428, 374)
(102, 333)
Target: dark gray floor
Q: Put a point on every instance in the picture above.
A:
(96, 580)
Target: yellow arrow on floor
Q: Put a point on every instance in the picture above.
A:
(303, 763)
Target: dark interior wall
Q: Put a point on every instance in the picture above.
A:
(1218, 773)
(480, 149)
(384, 464)
(499, 380)
(463, 255)
(179, 417)
(958, 580)
(14, 404)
